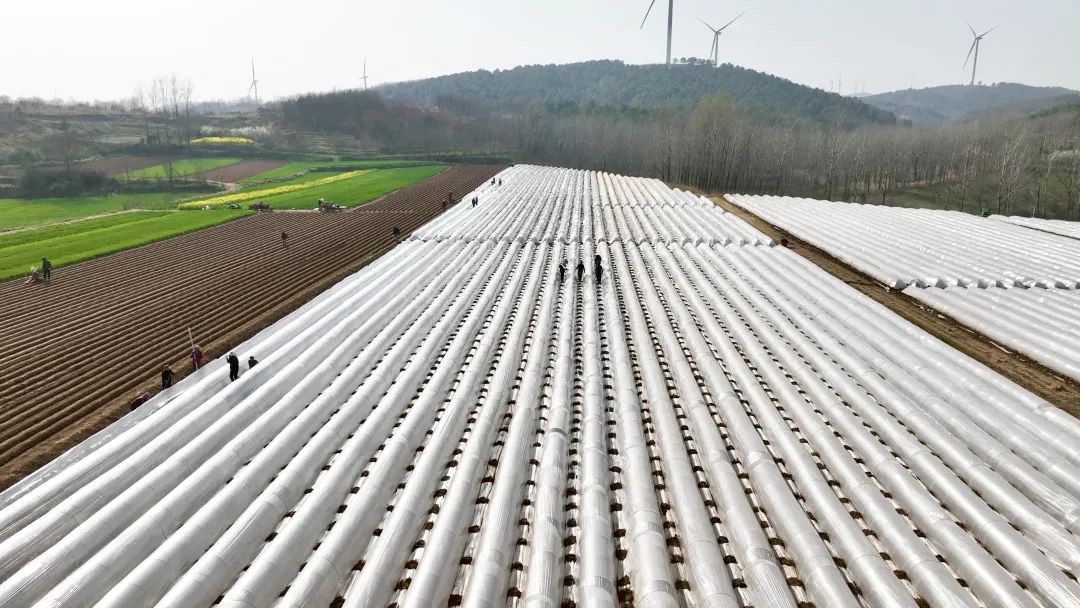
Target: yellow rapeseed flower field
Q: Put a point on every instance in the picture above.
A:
(250, 195)
(222, 140)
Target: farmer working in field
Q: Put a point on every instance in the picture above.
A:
(234, 366)
(35, 276)
(196, 357)
(580, 270)
(252, 362)
(46, 269)
(598, 269)
(166, 377)
(284, 240)
(562, 271)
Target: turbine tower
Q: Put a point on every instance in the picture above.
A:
(254, 84)
(364, 77)
(714, 54)
(975, 49)
(670, 17)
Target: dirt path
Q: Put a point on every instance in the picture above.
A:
(1032, 375)
(114, 321)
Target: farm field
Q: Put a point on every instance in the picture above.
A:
(67, 244)
(924, 247)
(1061, 227)
(361, 189)
(345, 165)
(22, 213)
(235, 173)
(224, 282)
(709, 420)
(119, 165)
(350, 189)
(1013, 280)
(188, 167)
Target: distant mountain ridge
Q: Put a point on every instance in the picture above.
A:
(955, 103)
(614, 84)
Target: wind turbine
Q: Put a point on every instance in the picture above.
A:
(254, 84)
(670, 16)
(714, 55)
(364, 77)
(975, 49)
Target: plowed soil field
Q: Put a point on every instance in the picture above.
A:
(75, 352)
(239, 171)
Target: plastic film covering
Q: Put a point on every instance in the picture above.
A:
(1041, 323)
(925, 247)
(709, 421)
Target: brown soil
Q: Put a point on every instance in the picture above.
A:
(74, 352)
(234, 173)
(1032, 375)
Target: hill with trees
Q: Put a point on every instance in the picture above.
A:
(954, 103)
(618, 87)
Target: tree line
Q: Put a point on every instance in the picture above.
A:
(1014, 166)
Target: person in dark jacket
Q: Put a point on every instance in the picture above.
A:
(284, 240)
(196, 357)
(562, 271)
(598, 269)
(252, 362)
(166, 377)
(46, 269)
(580, 270)
(234, 366)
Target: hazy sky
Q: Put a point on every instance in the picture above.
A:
(100, 49)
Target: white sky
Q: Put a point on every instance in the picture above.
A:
(101, 49)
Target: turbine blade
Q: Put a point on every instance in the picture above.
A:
(970, 51)
(732, 21)
(988, 31)
(711, 28)
(652, 4)
(971, 28)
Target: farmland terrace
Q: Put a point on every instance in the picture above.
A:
(709, 420)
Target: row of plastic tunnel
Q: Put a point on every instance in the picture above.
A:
(1012, 279)
(708, 420)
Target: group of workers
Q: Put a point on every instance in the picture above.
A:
(579, 270)
(196, 357)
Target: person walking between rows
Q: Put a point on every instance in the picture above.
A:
(196, 357)
(580, 270)
(166, 377)
(284, 240)
(46, 269)
(234, 366)
(252, 362)
(562, 271)
(598, 269)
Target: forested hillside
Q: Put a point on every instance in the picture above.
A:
(937, 105)
(616, 86)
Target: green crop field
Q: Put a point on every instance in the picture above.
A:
(79, 241)
(344, 165)
(357, 190)
(22, 213)
(182, 168)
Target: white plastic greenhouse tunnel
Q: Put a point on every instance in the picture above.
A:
(710, 420)
(1013, 279)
